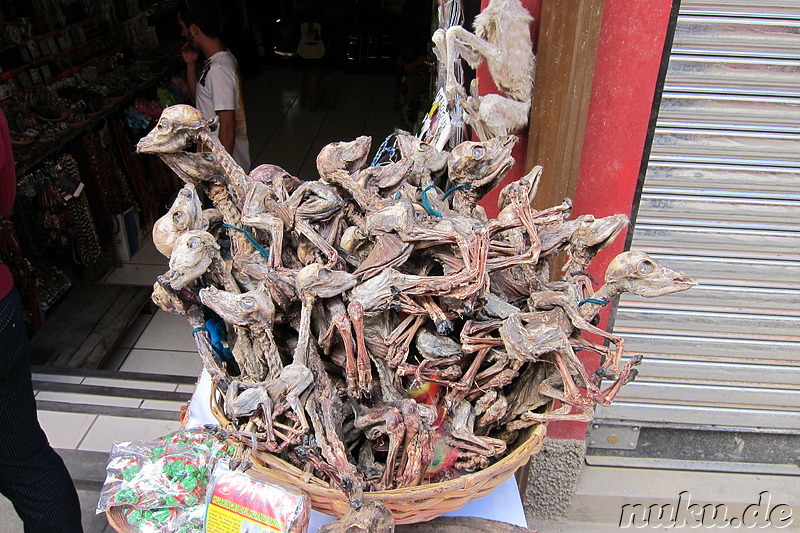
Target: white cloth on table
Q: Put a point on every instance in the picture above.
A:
(503, 504)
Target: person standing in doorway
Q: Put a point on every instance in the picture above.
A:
(216, 86)
(32, 475)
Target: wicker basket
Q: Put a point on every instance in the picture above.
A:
(408, 504)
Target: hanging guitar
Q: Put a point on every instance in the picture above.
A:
(285, 34)
(311, 45)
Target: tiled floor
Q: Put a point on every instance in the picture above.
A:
(281, 132)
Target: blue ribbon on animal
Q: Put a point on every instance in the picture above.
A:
(216, 334)
(263, 251)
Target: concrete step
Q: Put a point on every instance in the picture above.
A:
(111, 393)
(601, 493)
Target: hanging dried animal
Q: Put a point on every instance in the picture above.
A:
(502, 38)
(385, 332)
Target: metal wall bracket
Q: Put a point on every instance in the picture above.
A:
(612, 437)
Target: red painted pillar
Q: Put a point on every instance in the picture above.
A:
(629, 56)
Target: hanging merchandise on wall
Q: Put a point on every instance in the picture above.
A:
(110, 195)
(86, 242)
(444, 125)
(132, 164)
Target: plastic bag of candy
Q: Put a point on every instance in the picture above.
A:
(162, 483)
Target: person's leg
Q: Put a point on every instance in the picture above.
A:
(32, 475)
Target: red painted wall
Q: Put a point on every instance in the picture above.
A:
(626, 73)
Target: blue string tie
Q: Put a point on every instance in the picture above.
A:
(384, 148)
(426, 203)
(596, 301)
(451, 190)
(260, 249)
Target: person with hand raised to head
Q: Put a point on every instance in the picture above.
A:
(215, 86)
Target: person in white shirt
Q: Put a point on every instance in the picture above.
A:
(216, 87)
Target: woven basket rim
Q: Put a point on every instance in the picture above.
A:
(467, 486)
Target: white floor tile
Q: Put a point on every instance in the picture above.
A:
(164, 405)
(130, 384)
(167, 331)
(149, 255)
(107, 430)
(163, 362)
(185, 388)
(87, 399)
(75, 380)
(65, 430)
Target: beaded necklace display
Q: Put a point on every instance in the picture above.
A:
(55, 218)
(103, 188)
(86, 244)
(32, 234)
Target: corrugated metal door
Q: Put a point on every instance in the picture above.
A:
(721, 202)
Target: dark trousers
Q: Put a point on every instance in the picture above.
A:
(32, 475)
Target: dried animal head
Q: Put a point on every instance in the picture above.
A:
(349, 156)
(253, 308)
(591, 236)
(428, 161)
(185, 214)
(638, 273)
(191, 256)
(178, 128)
(481, 165)
(320, 282)
(522, 190)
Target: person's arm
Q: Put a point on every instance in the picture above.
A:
(190, 56)
(227, 128)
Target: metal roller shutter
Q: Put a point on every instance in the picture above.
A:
(721, 202)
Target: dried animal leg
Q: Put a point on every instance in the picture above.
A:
(400, 339)
(538, 337)
(342, 324)
(385, 420)
(461, 433)
(417, 445)
(356, 313)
